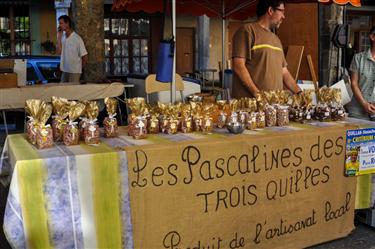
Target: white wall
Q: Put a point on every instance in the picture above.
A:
(187, 21)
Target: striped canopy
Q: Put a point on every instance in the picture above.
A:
(356, 3)
(235, 9)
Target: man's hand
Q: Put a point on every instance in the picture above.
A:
(59, 37)
(241, 71)
(59, 33)
(369, 107)
(85, 60)
(290, 82)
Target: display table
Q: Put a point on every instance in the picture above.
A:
(279, 187)
(12, 98)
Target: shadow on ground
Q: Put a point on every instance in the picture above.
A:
(363, 237)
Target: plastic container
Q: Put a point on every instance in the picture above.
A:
(228, 79)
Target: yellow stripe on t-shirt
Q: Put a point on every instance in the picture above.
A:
(266, 46)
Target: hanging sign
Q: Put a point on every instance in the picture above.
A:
(360, 152)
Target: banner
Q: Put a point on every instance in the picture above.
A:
(360, 152)
(260, 191)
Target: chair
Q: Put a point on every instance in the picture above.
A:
(125, 95)
(207, 75)
(153, 86)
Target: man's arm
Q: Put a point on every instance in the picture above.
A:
(289, 81)
(368, 107)
(241, 71)
(83, 52)
(85, 60)
(59, 44)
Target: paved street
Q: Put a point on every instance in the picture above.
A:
(363, 237)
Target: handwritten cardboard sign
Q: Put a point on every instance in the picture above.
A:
(280, 191)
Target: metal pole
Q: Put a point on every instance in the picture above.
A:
(5, 123)
(12, 31)
(222, 42)
(173, 83)
(343, 50)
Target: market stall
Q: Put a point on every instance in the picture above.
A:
(266, 188)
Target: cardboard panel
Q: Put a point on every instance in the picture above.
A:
(8, 80)
(6, 64)
(301, 28)
(293, 58)
(251, 192)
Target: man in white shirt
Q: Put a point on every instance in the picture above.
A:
(72, 50)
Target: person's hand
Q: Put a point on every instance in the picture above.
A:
(59, 33)
(300, 92)
(369, 108)
(302, 96)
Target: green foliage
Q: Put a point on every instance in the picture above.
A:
(49, 46)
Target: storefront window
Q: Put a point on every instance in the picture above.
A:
(140, 27)
(4, 36)
(360, 24)
(364, 41)
(14, 30)
(126, 45)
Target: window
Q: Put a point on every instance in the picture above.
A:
(359, 21)
(364, 41)
(126, 45)
(15, 30)
(4, 36)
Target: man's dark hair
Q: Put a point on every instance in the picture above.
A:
(371, 32)
(263, 5)
(66, 19)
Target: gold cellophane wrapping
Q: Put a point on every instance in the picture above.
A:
(60, 107)
(138, 108)
(110, 124)
(153, 125)
(32, 109)
(71, 131)
(38, 132)
(44, 137)
(323, 110)
(91, 134)
(140, 128)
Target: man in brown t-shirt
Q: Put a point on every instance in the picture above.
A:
(258, 57)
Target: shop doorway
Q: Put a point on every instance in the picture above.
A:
(185, 51)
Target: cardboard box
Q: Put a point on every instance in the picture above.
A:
(8, 80)
(7, 63)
